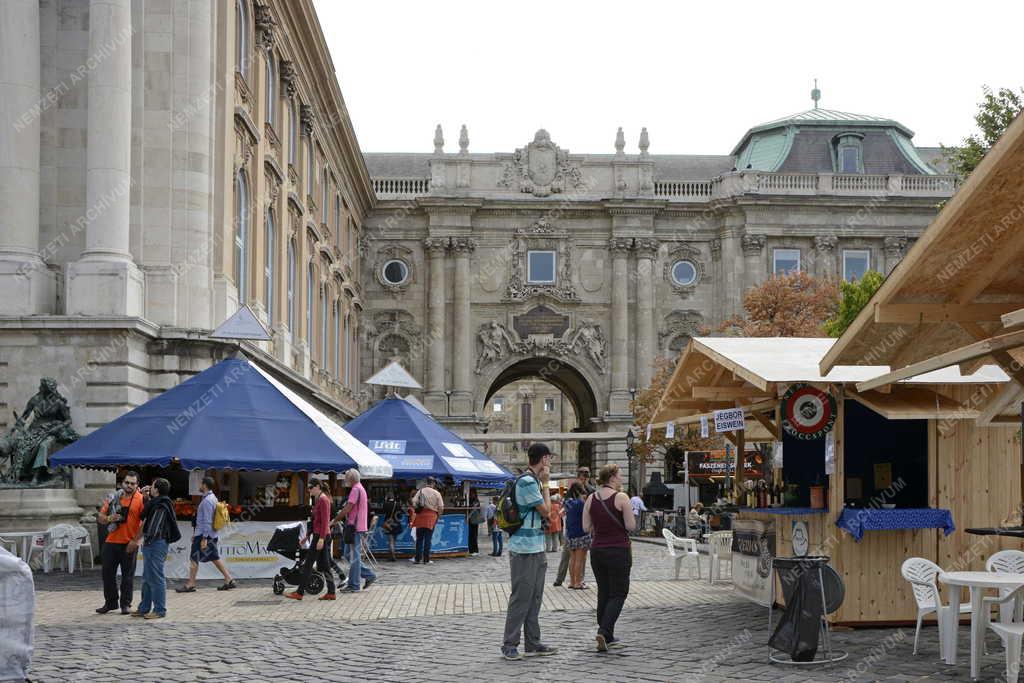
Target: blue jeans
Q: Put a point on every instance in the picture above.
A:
(357, 570)
(497, 541)
(154, 584)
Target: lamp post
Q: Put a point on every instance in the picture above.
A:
(630, 453)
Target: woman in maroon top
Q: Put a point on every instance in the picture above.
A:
(319, 544)
(608, 517)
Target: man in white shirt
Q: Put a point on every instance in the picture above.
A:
(637, 503)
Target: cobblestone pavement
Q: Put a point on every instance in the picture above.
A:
(674, 631)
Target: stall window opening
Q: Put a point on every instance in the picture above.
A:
(886, 461)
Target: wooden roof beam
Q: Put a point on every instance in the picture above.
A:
(729, 393)
(768, 424)
(913, 314)
(1013, 318)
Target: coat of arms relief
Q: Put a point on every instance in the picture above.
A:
(540, 168)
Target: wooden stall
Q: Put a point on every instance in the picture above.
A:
(925, 428)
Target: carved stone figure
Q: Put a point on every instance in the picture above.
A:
(438, 140)
(494, 340)
(588, 338)
(540, 168)
(464, 140)
(29, 444)
(620, 143)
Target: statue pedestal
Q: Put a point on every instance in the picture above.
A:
(37, 509)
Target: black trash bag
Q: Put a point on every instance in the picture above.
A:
(798, 629)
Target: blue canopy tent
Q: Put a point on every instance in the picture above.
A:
(232, 415)
(418, 447)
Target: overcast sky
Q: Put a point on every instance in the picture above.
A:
(697, 75)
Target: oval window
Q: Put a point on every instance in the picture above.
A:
(684, 273)
(395, 272)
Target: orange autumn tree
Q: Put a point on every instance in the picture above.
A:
(643, 407)
(788, 305)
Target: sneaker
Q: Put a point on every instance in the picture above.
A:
(154, 615)
(511, 653)
(473, 554)
(613, 642)
(349, 589)
(328, 596)
(104, 609)
(294, 595)
(369, 582)
(414, 561)
(541, 651)
(137, 613)
(602, 644)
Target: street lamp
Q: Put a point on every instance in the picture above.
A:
(630, 453)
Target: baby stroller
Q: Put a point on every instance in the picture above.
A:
(285, 542)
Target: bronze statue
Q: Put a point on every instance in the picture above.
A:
(27, 445)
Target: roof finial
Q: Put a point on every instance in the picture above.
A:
(815, 94)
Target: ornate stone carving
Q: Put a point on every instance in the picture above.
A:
(289, 77)
(464, 140)
(621, 184)
(753, 244)
(391, 253)
(825, 244)
(264, 26)
(437, 174)
(646, 247)
(895, 247)
(715, 245)
(677, 329)
(435, 246)
(306, 117)
(621, 245)
(438, 140)
(540, 235)
(645, 142)
(495, 341)
(678, 252)
(463, 245)
(541, 168)
(620, 143)
(646, 178)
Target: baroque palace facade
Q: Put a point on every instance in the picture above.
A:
(163, 162)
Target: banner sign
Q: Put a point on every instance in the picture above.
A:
(704, 426)
(670, 430)
(720, 462)
(807, 413)
(729, 420)
(242, 546)
(387, 446)
(416, 463)
(753, 547)
(451, 535)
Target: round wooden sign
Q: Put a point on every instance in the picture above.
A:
(807, 413)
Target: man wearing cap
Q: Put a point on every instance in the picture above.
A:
(527, 560)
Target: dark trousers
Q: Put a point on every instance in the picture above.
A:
(611, 568)
(423, 537)
(474, 536)
(112, 556)
(323, 563)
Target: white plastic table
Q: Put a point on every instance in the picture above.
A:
(977, 582)
(26, 540)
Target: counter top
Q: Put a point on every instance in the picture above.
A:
(787, 511)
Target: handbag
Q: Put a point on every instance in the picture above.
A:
(348, 534)
(418, 506)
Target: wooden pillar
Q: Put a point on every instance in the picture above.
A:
(738, 480)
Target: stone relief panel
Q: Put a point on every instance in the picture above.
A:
(690, 254)
(496, 342)
(384, 256)
(393, 335)
(540, 168)
(678, 327)
(591, 269)
(540, 235)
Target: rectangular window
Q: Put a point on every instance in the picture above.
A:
(525, 422)
(856, 262)
(549, 405)
(540, 267)
(848, 163)
(498, 405)
(785, 261)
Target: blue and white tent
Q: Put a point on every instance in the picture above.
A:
(232, 415)
(417, 446)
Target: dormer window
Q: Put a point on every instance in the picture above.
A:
(848, 153)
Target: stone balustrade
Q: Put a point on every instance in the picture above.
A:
(401, 188)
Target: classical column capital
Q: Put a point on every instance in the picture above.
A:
(825, 244)
(620, 246)
(463, 245)
(436, 246)
(716, 248)
(895, 246)
(753, 244)
(289, 77)
(264, 26)
(647, 247)
(306, 116)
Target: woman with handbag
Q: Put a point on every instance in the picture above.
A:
(428, 506)
(608, 517)
(392, 524)
(476, 518)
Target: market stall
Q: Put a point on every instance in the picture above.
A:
(881, 464)
(417, 447)
(256, 437)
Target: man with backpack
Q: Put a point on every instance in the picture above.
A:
(522, 509)
(210, 519)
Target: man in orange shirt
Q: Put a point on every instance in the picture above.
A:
(121, 513)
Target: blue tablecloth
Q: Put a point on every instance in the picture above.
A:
(789, 511)
(857, 521)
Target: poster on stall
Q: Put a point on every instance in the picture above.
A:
(729, 420)
(670, 430)
(753, 547)
(777, 460)
(242, 546)
(703, 426)
(830, 453)
(451, 535)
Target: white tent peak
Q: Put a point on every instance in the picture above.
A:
(409, 398)
(242, 325)
(394, 375)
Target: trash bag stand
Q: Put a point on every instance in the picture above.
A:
(830, 656)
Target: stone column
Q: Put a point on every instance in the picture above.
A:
(620, 397)
(732, 277)
(105, 281)
(435, 399)
(646, 252)
(753, 267)
(715, 247)
(26, 283)
(462, 351)
(825, 255)
(895, 248)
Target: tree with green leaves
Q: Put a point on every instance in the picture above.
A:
(995, 113)
(853, 296)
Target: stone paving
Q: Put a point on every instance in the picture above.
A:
(414, 626)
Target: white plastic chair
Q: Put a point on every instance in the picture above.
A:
(1007, 561)
(10, 545)
(68, 540)
(1010, 632)
(921, 574)
(720, 543)
(680, 549)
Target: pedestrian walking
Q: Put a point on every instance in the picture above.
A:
(319, 548)
(476, 518)
(583, 479)
(497, 537)
(121, 515)
(608, 516)
(553, 536)
(577, 540)
(158, 531)
(356, 515)
(427, 506)
(392, 524)
(204, 540)
(527, 560)
(637, 504)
